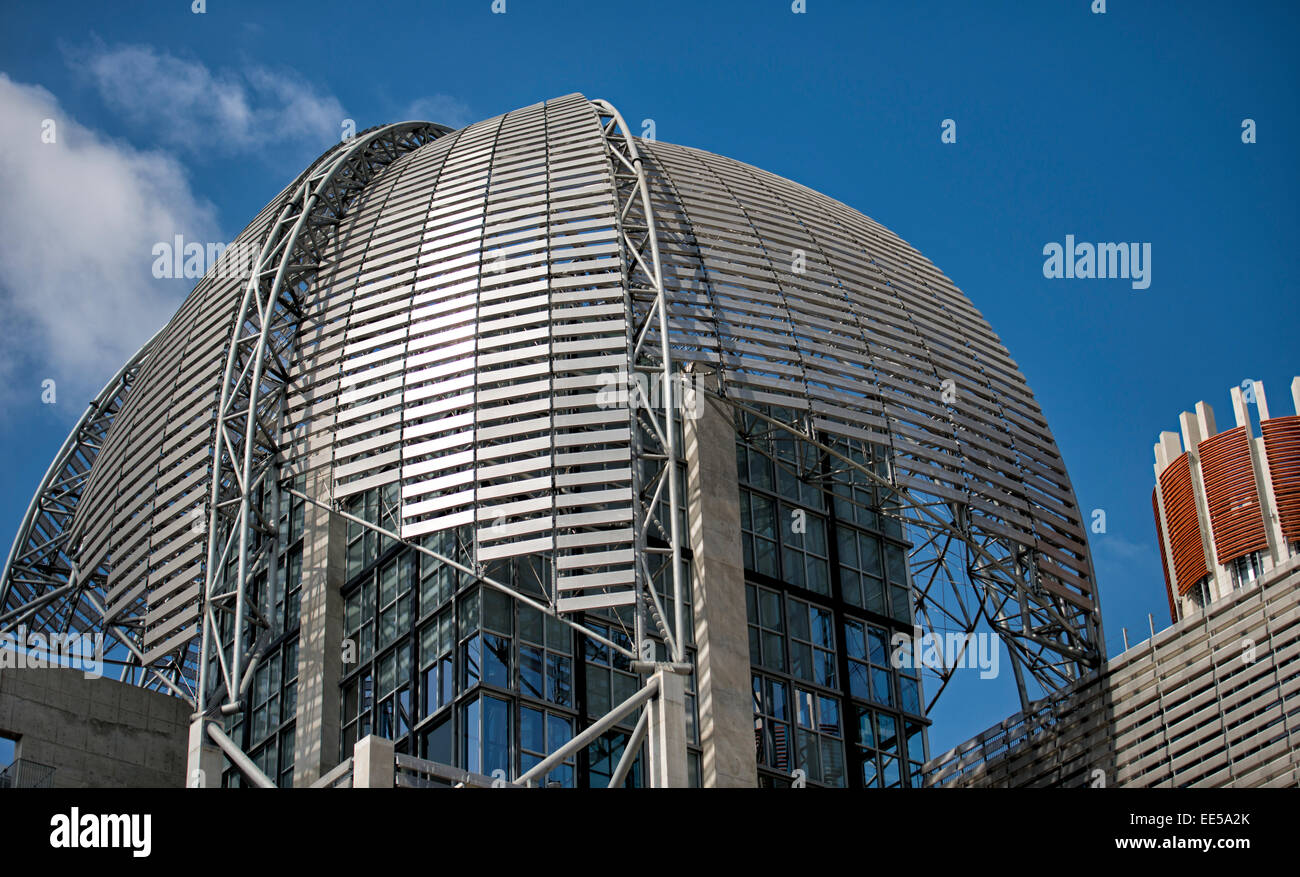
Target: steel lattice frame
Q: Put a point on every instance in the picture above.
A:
(954, 563)
(41, 586)
(257, 376)
(654, 413)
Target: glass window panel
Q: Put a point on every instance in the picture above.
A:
(809, 755)
(879, 645)
(777, 699)
(901, 599)
(897, 561)
(851, 586)
(890, 772)
(888, 732)
(530, 671)
(915, 741)
(530, 625)
(470, 735)
(855, 640)
(858, 686)
(881, 686)
(818, 576)
(848, 544)
(801, 660)
(559, 730)
(447, 677)
(870, 771)
(597, 690)
(559, 636)
(624, 687)
(909, 694)
(869, 548)
(497, 611)
(765, 561)
(773, 651)
(496, 660)
(833, 773)
(799, 620)
(805, 703)
(559, 681)
(496, 735)
(823, 634)
(437, 743)
(469, 613)
(824, 667)
(866, 728)
(469, 656)
(532, 731)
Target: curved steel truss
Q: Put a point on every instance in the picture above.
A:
(256, 378)
(654, 420)
(42, 588)
(963, 572)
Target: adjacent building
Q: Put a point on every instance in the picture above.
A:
(1214, 699)
(1227, 503)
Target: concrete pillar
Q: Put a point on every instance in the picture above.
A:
(374, 764)
(726, 713)
(1194, 427)
(1261, 401)
(1240, 407)
(667, 733)
(204, 762)
(320, 640)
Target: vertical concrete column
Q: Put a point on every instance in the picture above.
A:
(320, 650)
(1263, 482)
(1194, 428)
(203, 761)
(667, 733)
(726, 713)
(374, 764)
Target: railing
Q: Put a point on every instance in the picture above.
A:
(25, 774)
(338, 778)
(417, 773)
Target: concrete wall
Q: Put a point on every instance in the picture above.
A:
(726, 708)
(94, 732)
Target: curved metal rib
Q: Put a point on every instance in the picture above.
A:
(39, 568)
(645, 287)
(256, 377)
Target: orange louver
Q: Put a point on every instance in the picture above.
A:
(1235, 515)
(1184, 526)
(1282, 445)
(1164, 561)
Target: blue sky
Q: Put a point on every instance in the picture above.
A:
(1117, 127)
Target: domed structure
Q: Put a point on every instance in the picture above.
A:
(426, 340)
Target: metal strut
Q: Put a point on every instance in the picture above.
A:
(257, 377)
(654, 421)
(1015, 599)
(41, 584)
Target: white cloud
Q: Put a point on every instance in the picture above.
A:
(78, 222)
(183, 104)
